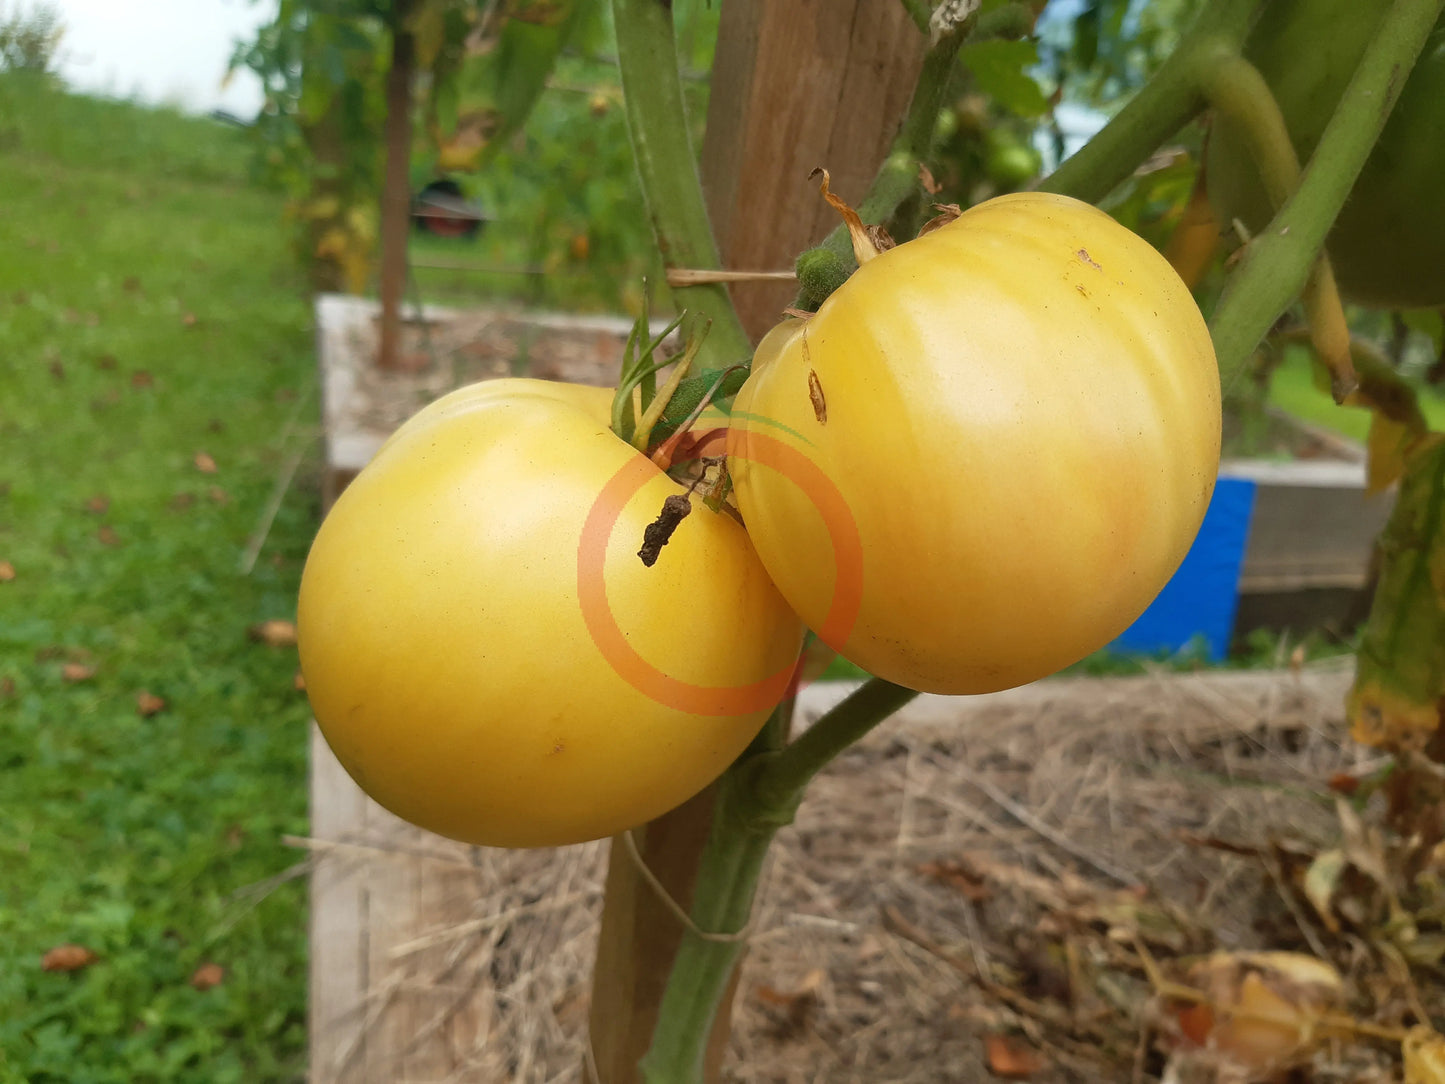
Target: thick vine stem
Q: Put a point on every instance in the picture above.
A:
(1235, 89)
(1171, 99)
(756, 796)
(667, 168)
(1277, 262)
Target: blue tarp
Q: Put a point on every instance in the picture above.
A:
(1201, 599)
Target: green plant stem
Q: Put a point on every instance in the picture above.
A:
(756, 796)
(1171, 99)
(1277, 262)
(897, 179)
(667, 168)
(1236, 90)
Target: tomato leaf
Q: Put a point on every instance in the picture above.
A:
(1400, 674)
(1000, 70)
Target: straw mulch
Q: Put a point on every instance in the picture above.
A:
(970, 887)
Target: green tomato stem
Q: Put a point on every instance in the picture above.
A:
(1276, 263)
(1168, 101)
(1236, 89)
(667, 168)
(897, 178)
(756, 796)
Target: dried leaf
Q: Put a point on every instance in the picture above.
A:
(274, 633)
(1321, 880)
(1386, 445)
(299, 682)
(106, 361)
(147, 703)
(107, 535)
(67, 958)
(1267, 1007)
(207, 976)
(76, 671)
(217, 495)
(7, 686)
(959, 876)
(792, 1008)
(181, 501)
(188, 320)
(1363, 846)
(1424, 1053)
(7, 572)
(99, 504)
(1011, 1059)
(204, 463)
(141, 378)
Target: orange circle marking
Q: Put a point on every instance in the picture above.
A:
(764, 450)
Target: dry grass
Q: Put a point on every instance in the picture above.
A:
(977, 867)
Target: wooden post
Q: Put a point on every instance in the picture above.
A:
(796, 84)
(396, 187)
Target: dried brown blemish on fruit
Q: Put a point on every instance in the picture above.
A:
(674, 510)
(1083, 254)
(815, 396)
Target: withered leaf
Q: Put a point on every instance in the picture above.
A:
(141, 378)
(1010, 1058)
(207, 976)
(76, 671)
(274, 633)
(1424, 1052)
(299, 682)
(7, 572)
(107, 535)
(188, 320)
(67, 958)
(99, 504)
(217, 495)
(148, 704)
(204, 463)
(959, 876)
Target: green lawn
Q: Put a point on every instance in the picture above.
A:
(150, 314)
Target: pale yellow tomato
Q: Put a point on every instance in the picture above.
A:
(485, 651)
(989, 449)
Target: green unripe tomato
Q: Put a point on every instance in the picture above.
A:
(1388, 245)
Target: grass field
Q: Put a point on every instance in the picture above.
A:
(157, 376)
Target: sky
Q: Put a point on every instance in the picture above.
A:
(160, 51)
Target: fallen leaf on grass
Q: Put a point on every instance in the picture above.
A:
(7, 572)
(147, 703)
(218, 495)
(207, 976)
(204, 463)
(106, 361)
(274, 633)
(7, 687)
(67, 958)
(131, 284)
(189, 320)
(107, 536)
(181, 501)
(141, 378)
(99, 504)
(298, 682)
(76, 671)
(1011, 1059)
(57, 370)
